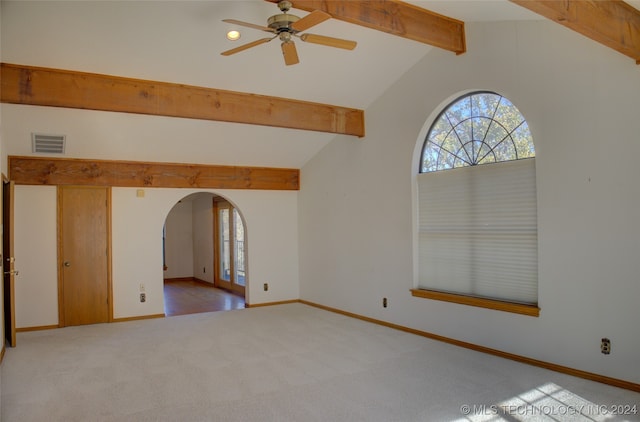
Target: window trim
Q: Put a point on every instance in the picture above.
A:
(481, 302)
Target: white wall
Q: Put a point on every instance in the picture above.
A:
(179, 241)
(271, 224)
(35, 250)
(189, 238)
(357, 202)
(203, 238)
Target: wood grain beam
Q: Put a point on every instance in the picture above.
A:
(70, 171)
(394, 17)
(613, 23)
(66, 88)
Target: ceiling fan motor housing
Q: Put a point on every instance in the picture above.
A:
(282, 22)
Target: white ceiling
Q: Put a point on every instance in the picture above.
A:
(477, 10)
(346, 78)
(324, 74)
(181, 42)
(484, 10)
(634, 3)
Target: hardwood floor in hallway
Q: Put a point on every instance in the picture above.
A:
(187, 296)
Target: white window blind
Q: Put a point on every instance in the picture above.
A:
(478, 231)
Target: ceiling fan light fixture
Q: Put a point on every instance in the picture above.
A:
(285, 37)
(233, 35)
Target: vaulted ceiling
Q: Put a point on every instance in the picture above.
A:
(180, 42)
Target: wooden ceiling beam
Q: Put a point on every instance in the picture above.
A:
(74, 171)
(394, 17)
(613, 23)
(66, 88)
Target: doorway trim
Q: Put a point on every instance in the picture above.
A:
(8, 267)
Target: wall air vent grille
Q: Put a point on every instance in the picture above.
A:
(47, 144)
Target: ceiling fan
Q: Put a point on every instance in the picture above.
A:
(286, 26)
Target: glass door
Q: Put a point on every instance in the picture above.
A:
(230, 250)
(239, 251)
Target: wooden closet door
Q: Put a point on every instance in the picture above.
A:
(84, 255)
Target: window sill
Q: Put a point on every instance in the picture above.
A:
(517, 308)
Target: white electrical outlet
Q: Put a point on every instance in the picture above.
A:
(141, 287)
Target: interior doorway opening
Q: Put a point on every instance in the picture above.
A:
(204, 256)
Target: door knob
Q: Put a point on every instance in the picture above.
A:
(12, 272)
(67, 264)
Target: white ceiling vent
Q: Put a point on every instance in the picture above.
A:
(48, 144)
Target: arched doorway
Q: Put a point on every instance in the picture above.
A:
(204, 256)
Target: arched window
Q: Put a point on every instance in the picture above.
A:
(478, 128)
(477, 228)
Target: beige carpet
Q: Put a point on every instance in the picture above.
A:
(280, 363)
